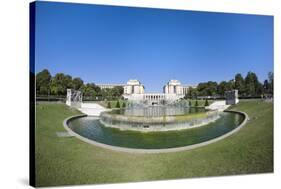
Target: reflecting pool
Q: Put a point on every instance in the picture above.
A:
(93, 129)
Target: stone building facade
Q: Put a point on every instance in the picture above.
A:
(173, 87)
(110, 86)
(133, 86)
(134, 91)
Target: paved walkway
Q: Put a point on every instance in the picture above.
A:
(219, 105)
(92, 109)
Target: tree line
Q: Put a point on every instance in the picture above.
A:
(57, 85)
(250, 86)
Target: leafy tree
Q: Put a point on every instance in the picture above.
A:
(77, 83)
(211, 88)
(239, 84)
(189, 103)
(266, 87)
(202, 89)
(97, 89)
(224, 86)
(192, 92)
(118, 104)
(112, 94)
(60, 83)
(196, 103)
(231, 84)
(207, 89)
(107, 94)
(109, 105)
(271, 84)
(90, 90)
(43, 80)
(206, 102)
(252, 85)
(259, 89)
(117, 91)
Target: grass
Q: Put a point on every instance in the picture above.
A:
(112, 103)
(69, 161)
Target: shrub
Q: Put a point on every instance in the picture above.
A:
(196, 103)
(124, 105)
(109, 105)
(117, 104)
(206, 102)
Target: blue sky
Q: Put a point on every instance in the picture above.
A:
(107, 44)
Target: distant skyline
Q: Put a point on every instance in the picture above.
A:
(111, 44)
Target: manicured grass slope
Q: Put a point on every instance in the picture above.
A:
(68, 161)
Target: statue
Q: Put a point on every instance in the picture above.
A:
(74, 98)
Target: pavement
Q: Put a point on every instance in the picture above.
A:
(219, 105)
(92, 109)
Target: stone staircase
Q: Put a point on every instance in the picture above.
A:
(219, 105)
(92, 109)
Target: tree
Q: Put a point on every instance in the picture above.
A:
(224, 86)
(231, 84)
(207, 89)
(252, 85)
(90, 91)
(192, 92)
(239, 84)
(77, 83)
(202, 89)
(259, 89)
(196, 103)
(118, 104)
(60, 83)
(189, 103)
(107, 94)
(206, 102)
(266, 86)
(271, 84)
(212, 88)
(117, 91)
(43, 80)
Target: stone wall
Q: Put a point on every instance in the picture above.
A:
(163, 123)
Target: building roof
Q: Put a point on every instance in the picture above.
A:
(134, 82)
(174, 82)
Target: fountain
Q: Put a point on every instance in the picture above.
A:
(154, 122)
(159, 128)
(140, 117)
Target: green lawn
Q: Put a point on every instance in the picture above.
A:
(69, 161)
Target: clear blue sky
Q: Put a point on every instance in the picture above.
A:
(107, 44)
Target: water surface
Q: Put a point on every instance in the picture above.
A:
(91, 128)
